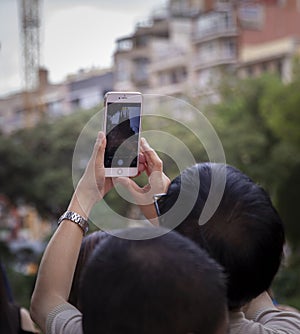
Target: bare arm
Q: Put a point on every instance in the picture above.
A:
(59, 260)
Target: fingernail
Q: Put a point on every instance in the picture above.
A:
(144, 142)
(100, 135)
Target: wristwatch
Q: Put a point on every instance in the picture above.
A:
(75, 218)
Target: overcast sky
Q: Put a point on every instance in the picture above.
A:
(75, 34)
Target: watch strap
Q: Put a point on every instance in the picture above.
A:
(75, 218)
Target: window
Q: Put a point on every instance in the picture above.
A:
(207, 51)
(141, 69)
(229, 48)
(141, 41)
(124, 45)
(214, 22)
(122, 70)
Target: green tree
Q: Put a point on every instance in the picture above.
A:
(258, 122)
(37, 163)
(248, 140)
(280, 109)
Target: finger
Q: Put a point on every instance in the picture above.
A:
(99, 148)
(142, 158)
(142, 161)
(159, 182)
(141, 168)
(108, 184)
(145, 145)
(97, 144)
(153, 160)
(154, 163)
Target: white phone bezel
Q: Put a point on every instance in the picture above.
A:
(130, 97)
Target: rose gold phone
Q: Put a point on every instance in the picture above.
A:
(122, 126)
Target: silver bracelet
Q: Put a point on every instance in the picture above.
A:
(75, 218)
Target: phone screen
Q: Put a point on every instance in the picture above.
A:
(122, 134)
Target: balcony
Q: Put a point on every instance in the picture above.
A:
(174, 89)
(214, 59)
(214, 25)
(216, 32)
(171, 60)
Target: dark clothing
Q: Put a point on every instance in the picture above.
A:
(14, 325)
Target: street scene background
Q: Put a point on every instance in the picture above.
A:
(232, 60)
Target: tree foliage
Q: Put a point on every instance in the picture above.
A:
(259, 125)
(248, 141)
(36, 163)
(257, 120)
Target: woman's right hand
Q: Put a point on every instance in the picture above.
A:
(93, 184)
(158, 182)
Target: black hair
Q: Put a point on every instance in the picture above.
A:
(163, 285)
(245, 234)
(88, 245)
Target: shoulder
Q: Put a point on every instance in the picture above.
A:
(280, 319)
(267, 322)
(239, 324)
(66, 317)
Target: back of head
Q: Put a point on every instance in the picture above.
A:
(88, 245)
(245, 234)
(164, 285)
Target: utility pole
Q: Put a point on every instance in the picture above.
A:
(30, 39)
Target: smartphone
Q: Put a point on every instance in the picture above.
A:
(122, 126)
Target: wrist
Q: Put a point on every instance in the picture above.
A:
(81, 203)
(75, 218)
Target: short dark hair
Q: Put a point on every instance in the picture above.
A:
(245, 234)
(163, 285)
(88, 245)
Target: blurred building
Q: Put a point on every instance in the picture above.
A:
(186, 47)
(276, 41)
(182, 49)
(84, 90)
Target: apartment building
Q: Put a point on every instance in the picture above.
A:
(197, 44)
(155, 56)
(273, 46)
(181, 50)
(186, 48)
(83, 90)
(135, 53)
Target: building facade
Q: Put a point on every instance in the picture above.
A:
(181, 50)
(83, 90)
(187, 47)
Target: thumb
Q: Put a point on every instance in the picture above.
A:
(99, 147)
(140, 194)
